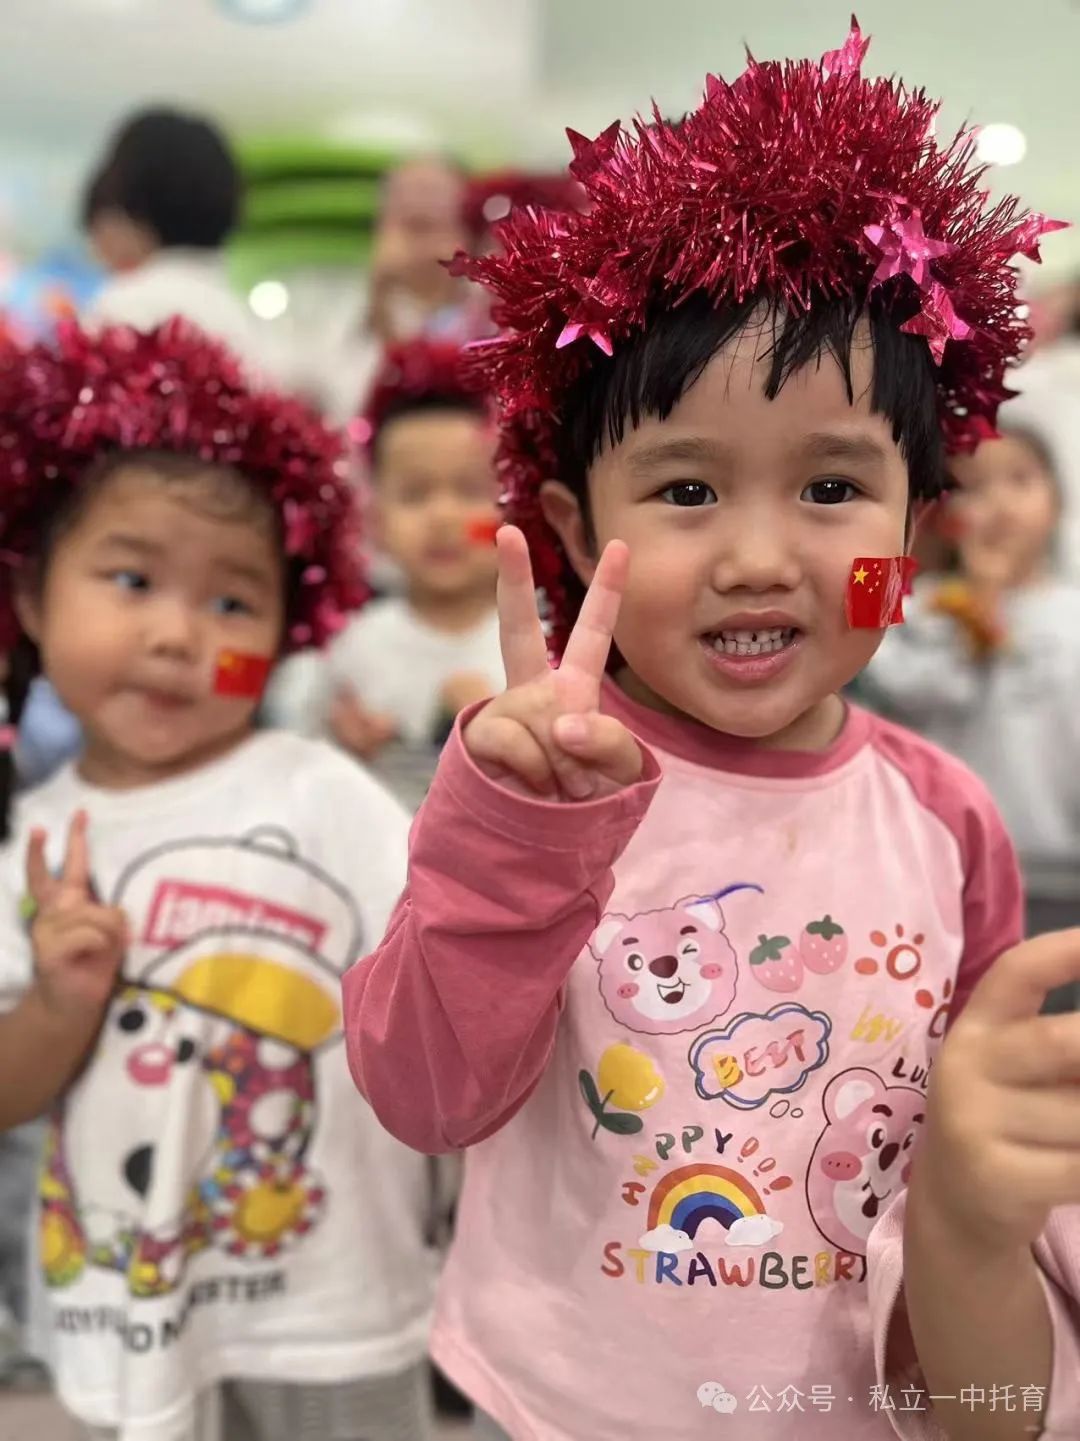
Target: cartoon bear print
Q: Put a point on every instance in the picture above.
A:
(863, 1156)
(668, 970)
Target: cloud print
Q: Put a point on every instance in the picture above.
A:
(753, 1230)
(666, 1238)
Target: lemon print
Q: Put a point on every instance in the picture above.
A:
(267, 1211)
(628, 1079)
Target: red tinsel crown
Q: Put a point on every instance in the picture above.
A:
(65, 404)
(415, 371)
(799, 180)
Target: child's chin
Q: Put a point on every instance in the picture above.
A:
(755, 718)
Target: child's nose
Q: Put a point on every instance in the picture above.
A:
(174, 628)
(758, 555)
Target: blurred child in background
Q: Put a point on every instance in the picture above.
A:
(393, 681)
(157, 213)
(988, 665)
(228, 1243)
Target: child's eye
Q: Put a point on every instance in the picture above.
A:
(130, 579)
(688, 493)
(829, 492)
(231, 605)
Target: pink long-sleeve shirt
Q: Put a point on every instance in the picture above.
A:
(686, 1032)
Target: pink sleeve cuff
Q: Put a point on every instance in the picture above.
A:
(1058, 1254)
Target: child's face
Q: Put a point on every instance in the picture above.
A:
(1006, 510)
(151, 583)
(435, 493)
(744, 514)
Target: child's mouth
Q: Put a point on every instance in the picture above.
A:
(752, 642)
(752, 657)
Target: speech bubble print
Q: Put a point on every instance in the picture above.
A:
(773, 1053)
(753, 1231)
(666, 1238)
(725, 1404)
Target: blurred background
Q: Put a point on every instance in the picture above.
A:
(320, 97)
(297, 172)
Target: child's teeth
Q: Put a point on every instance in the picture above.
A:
(752, 642)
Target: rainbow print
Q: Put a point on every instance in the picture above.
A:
(686, 1197)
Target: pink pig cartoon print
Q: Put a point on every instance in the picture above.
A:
(668, 970)
(863, 1156)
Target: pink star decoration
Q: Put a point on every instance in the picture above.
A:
(849, 58)
(904, 248)
(938, 321)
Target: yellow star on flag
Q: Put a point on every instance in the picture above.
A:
(860, 576)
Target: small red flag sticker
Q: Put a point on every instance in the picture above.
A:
(482, 532)
(240, 675)
(875, 591)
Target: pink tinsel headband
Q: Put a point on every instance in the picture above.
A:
(64, 405)
(798, 180)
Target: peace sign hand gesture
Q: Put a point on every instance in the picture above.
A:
(79, 944)
(545, 733)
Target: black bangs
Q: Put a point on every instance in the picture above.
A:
(650, 374)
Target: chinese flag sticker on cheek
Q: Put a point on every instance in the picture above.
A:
(875, 591)
(240, 675)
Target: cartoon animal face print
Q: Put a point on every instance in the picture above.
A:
(863, 1156)
(668, 970)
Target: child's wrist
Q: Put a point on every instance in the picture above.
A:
(60, 1019)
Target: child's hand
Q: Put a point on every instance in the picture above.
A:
(79, 944)
(1002, 1144)
(546, 730)
(357, 729)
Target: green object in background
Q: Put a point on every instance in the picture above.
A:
(310, 203)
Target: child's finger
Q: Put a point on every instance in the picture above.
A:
(1040, 1051)
(603, 742)
(1016, 985)
(508, 745)
(1043, 1116)
(86, 937)
(589, 645)
(76, 872)
(521, 636)
(39, 881)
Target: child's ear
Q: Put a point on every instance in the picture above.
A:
(27, 602)
(920, 515)
(563, 512)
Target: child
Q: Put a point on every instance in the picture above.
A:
(158, 214)
(681, 940)
(989, 664)
(398, 674)
(228, 1242)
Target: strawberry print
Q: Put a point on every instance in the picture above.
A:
(823, 946)
(777, 964)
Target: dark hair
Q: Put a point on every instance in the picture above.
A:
(171, 172)
(430, 403)
(59, 512)
(651, 373)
